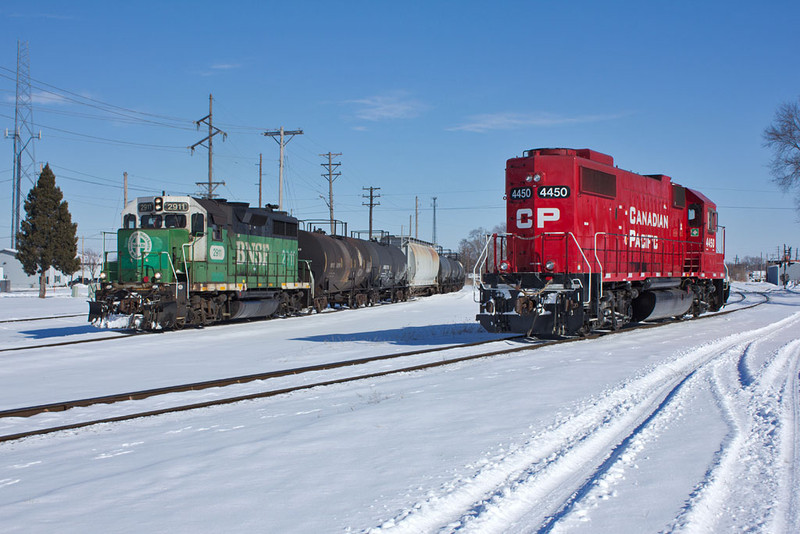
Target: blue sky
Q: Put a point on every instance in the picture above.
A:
(424, 99)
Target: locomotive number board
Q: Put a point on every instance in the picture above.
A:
(545, 191)
(553, 191)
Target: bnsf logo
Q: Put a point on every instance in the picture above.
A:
(543, 215)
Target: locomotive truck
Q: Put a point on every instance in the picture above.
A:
(591, 246)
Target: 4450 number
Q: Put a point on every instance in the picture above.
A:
(553, 191)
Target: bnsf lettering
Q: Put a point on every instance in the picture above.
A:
(252, 253)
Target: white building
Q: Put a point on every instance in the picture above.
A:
(17, 279)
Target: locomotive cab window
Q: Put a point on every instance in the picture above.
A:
(216, 233)
(712, 221)
(129, 223)
(198, 224)
(173, 220)
(695, 213)
(151, 221)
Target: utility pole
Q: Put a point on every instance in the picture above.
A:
(282, 141)
(372, 204)
(331, 176)
(124, 189)
(212, 131)
(416, 217)
(259, 180)
(434, 220)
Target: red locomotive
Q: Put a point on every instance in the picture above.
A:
(591, 246)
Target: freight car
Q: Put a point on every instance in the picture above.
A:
(191, 261)
(591, 246)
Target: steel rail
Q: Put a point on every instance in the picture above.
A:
(41, 318)
(22, 412)
(75, 342)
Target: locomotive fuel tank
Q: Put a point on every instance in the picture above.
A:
(661, 304)
(253, 309)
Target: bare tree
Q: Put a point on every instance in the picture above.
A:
(783, 137)
(91, 261)
(470, 248)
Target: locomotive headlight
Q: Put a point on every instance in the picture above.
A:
(550, 265)
(504, 266)
(534, 178)
(103, 275)
(157, 276)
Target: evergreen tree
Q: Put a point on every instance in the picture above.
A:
(47, 235)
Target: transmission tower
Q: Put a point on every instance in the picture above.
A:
(331, 176)
(372, 196)
(24, 154)
(212, 131)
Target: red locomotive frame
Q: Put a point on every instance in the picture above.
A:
(592, 246)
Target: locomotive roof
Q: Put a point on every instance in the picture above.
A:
(223, 212)
(585, 153)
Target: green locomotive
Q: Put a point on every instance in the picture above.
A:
(184, 261)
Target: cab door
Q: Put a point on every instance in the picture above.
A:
(695, 245)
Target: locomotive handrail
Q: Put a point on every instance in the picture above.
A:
(174, 273)
(589, 265)
(186, 268)
(477, 280)
(597, 258)
(310, 274)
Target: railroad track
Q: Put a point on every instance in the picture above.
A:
(26, 319)
(119, 335)
(524, 345)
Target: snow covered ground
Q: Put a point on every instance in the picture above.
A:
(690, 427)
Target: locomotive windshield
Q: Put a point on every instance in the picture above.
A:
(151, 221)
(174, 220)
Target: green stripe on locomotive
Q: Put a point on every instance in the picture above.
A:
(239, 260)
(144, 253)
(256, 262)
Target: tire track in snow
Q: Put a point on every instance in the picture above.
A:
(544, 477)
(762, 447)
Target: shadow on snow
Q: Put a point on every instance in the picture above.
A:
(45, 333)
(440, 334)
